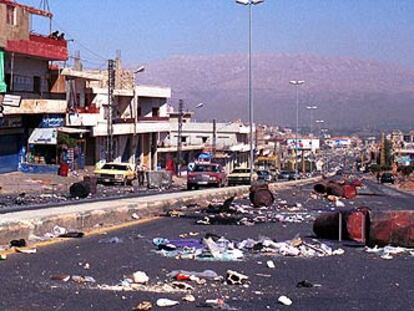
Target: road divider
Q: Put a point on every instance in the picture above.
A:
(86, 216)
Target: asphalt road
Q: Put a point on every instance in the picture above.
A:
(353, 281)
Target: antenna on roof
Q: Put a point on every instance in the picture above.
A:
(44, 5)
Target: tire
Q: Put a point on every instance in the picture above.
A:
(189, 187)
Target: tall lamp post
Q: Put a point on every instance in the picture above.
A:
(297, 84)
(135, 109)
(180, 132)
(250, 3)
(311, 108)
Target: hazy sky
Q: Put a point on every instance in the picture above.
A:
(147, 30)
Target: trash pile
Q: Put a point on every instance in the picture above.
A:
(388, 252)
(230, 213)
(176, 282)
(215, 248)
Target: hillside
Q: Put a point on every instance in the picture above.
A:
(349, 92)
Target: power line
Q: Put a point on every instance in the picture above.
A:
(80, 43)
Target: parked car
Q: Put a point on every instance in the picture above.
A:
(241, 176)
(206, 175)
(265, 176)
(123, 173)
(387, 178)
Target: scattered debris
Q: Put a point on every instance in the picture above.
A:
(164, 302)
(113, 240)
(143, 306)
(72, 235)
(189, 298)
(284, 300)
(236, 278)
(82, 279)
(388, 252)
(80, 190)
(305, 284)
(60, 277)
(18, 243)
(140, 277)
(270, 264)
(26, 250)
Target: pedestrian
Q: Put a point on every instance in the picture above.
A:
(141, 174)
(378, 177)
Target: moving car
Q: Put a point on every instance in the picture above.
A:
(241, 176)
(206, 175)
(123, 173)
(387, 178)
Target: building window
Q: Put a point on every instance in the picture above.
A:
(183, 139)
(204, 139)
(156, 112)
(37, 85)
(11, 15)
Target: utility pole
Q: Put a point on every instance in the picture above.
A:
(179, 137)
(214, 147)
(110, 129)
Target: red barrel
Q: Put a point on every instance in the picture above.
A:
(392, 228)
(63, 170)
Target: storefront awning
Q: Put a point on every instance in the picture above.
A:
(72, 130)
(43, 136)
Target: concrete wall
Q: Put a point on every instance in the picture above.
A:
(147, 103)
(24, 69)
(18, 32)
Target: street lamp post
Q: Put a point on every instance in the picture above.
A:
(250, 3)
(135, 109)
(297, 84)
(180, 131)
(311, 108)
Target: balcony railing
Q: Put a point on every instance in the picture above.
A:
(41, 46)
(153, 119)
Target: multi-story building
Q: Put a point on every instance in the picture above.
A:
(139, 116)
(228, 142)
(29, 97)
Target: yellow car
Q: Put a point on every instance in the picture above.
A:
(116, 173)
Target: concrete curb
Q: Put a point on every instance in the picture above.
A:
(86, 216)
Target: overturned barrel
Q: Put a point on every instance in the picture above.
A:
(392, 228)
(260, 195)
(80, 189)
(320, 188)
(350, 224)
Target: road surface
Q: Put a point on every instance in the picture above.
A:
(353, 281)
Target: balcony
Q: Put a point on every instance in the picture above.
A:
(40, 46)
(35, 106)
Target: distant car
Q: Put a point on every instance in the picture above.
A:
(265, 176)
(241, 176)
(288, 175)
(387, 178)
(206, 175)
(123, 173)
